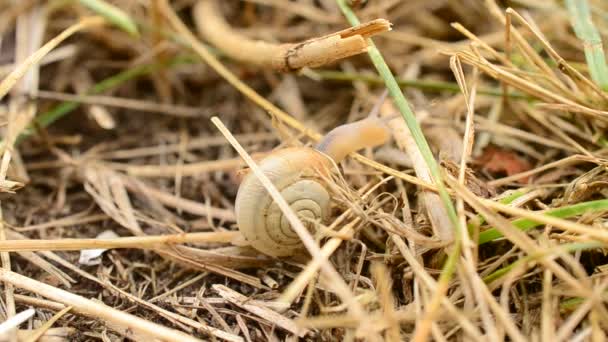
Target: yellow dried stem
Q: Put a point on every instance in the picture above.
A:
(311, 53)
(142, 242)
(127, 324)
(38, 333)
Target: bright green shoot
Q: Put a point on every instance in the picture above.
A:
(113, 14)
(524, 224)
(585, 30)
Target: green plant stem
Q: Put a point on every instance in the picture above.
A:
(580, 15)
(436, 86)
(508, 199)
(408, 116)
(449, 266)
(525, 224)
(47, 118)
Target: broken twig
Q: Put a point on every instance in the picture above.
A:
(311, 53)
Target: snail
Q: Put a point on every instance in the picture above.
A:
(298, 172)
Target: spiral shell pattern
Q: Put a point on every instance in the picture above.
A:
(295, 173)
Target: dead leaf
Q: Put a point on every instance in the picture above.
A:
(496, 160)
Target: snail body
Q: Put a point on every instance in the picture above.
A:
(299, 173)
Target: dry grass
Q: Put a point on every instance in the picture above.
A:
(106, 125)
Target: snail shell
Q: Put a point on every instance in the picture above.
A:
(297, 173)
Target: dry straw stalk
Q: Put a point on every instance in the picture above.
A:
(144, 242)
(311, 53)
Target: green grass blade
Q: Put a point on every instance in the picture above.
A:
(112, 14)
(525, 224)
(436, 86)
(64, 108)
(449, 267)
(409, 117)
(47, 118)
(585, 30)
(509, 196)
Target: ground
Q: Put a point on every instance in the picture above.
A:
(481, 218)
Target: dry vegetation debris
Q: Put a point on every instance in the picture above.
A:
(106, 125)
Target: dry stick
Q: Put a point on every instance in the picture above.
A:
(438, 215)
(192, 42)
(508, 51)
(529, 53)
(20, 70)
(425, 185)
(184, 204)
(551, 127)
(131, 326)
(297, 285)
(524, 242)
(491, 126)
(39, 302)
(481, 292)
(72, 220)
(6, 265)
(163, 312)
(302, 8)
(336, 282)
(472, 37)
(312, 53)
(141, 242)
(120, 102)
(526, 86)
(341, 321)
(61, 53)
(575, 159)
(468, 247)
(14, 321)
(194, 143)
(499, 312)
(10, 80)
(526, 49)
(426, 280)
(29, 38)
(59, 334)
(295, 288)
(547, 323)
(409, 222)
(562, 64)
(185, 169)
(575, 318)
(34, 336)
(381, 276)
(12, 133)
(432, 202)
(179, 287)
(176, 318)
(12, 12)
(259, 309)
(599, 235)
(37, 260)
(112, 197)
